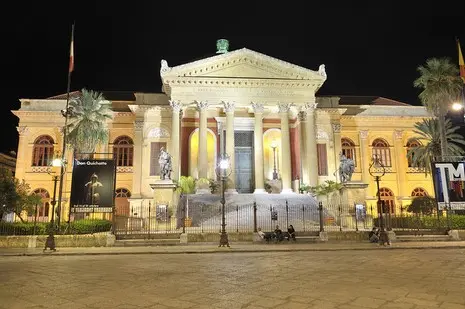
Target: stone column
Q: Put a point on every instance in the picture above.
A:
(285, 148)
(203, 149)
(23, 154)
(401, 156)
(365, 156)
(229, 110)
(303, 150)
(175, 138)
(137, 159)
(310, 145)
(258, 148)
(337, 144)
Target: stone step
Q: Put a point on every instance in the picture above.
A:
(422, 238)
(146, 242)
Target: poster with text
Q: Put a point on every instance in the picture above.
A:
(93, 185)
(449, 184)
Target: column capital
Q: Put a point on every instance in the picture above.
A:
(202, 105)
(138, 125)
(229, 106)
(363, 134)
(284, 107)
(176, 105)
(302, 115)
(336, 127)
(398, 134)
(258, 108)
(309, 107)
(23, 130)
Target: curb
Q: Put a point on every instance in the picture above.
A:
(226, 251)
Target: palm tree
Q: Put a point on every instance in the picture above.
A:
(87, 123)
(429, 140)
(441, 85)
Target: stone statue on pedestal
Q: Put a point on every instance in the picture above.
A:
(346, 168)
(164, 159)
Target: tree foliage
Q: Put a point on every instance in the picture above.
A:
(422, 205)
(327, 189)
(429, 139)
(14, 195)
(87, 125)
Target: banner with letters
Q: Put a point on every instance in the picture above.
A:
(93, 186)
(449, 184)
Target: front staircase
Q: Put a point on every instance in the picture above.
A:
(147, 240)
(422, 235)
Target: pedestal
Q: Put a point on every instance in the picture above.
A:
(353, 193)
(163, 192)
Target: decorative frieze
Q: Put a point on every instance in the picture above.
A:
(322, 135)
(284, 107)
(176, 105)
(202, 105)
(124, 169)
(336, 127)
(41, 169)
(229, 107)
(158, 133)
(309, 107)
(398, 134)
(258, 108)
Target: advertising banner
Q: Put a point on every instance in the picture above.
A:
(93, 186)
(449, 184)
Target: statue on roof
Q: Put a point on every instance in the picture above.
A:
(322, 71)
(164, 66)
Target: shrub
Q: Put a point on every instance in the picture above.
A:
(42, 228)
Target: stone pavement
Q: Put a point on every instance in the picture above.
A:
(235, 247)
(318, 279)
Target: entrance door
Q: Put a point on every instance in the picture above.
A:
(244, 161)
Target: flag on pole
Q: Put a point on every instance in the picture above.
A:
(71, 52)
(461, 62)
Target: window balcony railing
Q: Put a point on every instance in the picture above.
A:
(124, 169)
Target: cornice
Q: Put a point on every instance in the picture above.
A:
(239, 82)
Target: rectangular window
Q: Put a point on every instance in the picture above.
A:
(154, 152)
(322, 160)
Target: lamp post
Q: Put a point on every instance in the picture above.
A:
(50, 242)
(223, 171)
(274, 145)
(377, 170)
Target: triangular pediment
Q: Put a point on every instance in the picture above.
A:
(242, 63)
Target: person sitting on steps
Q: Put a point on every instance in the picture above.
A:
(278, 234)
(291, 232)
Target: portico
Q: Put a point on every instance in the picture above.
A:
(238, 92)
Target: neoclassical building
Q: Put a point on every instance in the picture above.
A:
(263, 112)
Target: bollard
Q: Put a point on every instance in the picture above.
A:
(320, 209)
(255, 217)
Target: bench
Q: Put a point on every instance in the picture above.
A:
(270, 236)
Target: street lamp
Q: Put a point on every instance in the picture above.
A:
(57, 162)
(223, 171)
(377, 170)
(456, 106)
(274, 145)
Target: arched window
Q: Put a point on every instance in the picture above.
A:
(42, 209)
(388, 197)
(42, 153)
(382, 152)
(419, 192)
(122, 202)
(123, 150)
(411, 144)
(348, 149)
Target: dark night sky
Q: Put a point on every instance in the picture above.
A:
(369, 47)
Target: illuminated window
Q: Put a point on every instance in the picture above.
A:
(348, 149)
(412, 144)
(382, 152)
(388, 197)
(42, 153)
(419, 192)
(43, 208)
(123, 151)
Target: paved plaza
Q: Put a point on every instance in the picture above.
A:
(345, 279)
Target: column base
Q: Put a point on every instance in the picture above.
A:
(260, 191)
(287, 191)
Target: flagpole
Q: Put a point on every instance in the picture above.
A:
(65, 133)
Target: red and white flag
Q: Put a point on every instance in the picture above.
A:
(71, 52)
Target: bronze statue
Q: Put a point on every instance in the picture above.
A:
(346, 168)
(164, 159)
